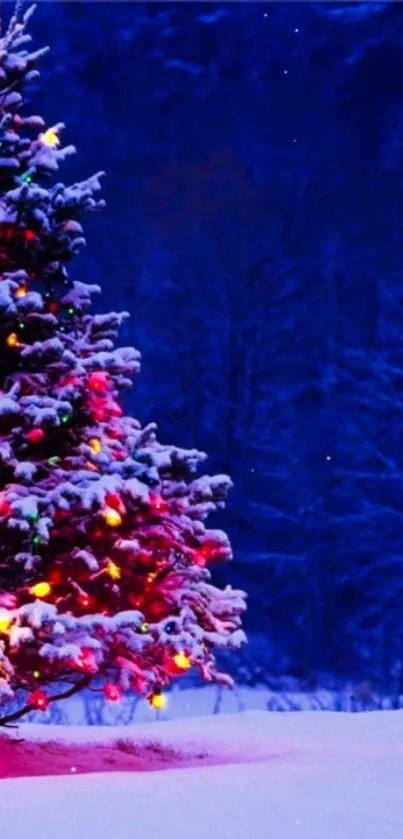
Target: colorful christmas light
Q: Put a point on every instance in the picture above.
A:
(5, 506)
(157, 700)
(12, 340)
(36, 435)
(112, 692)
(85, 601)
(39, 700)
(112, 517)
(5, 621)
(87, 661)
(50, 138)
(158, 502)
(40, 590)
(98, 382)
(182, 661)
(113, 570)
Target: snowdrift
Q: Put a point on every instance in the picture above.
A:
(271, 776)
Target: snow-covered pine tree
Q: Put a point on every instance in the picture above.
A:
(103, 546)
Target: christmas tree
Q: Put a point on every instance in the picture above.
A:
(103, 546)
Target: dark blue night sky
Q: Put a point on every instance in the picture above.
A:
(253, 230)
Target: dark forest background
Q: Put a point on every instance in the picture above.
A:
(254, 231)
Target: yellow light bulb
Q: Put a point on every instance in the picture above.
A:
(112, 517)
(158, 701)
(95, 445)
(50, 138)
(12, 340)
(113, 570)
(40, 589)
(182, 661)
(5, 621)
(151, 577)
(21, 291)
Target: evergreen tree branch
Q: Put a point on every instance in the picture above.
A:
(84, 682)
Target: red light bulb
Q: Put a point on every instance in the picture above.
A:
(98, 382)
(70, 380)
(5, 507)
(36, 435)
(87, 661)
(158, 502)
(85, 601)
(112, 692)
(29, 235)
(39, 700)
(114, 500)
(201, 557)
(7, 231)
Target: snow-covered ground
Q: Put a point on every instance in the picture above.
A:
(255, 775)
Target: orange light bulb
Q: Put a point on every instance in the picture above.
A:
(21, 291)
(40, 590)
(95, 445)
(50, 138)
(113, 570)
(12, 340)
(5, 621)
(157, 701)
(112, 517)
(182, 661)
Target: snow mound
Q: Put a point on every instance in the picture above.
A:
(290, 776)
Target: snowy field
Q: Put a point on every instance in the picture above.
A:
(255, 775)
